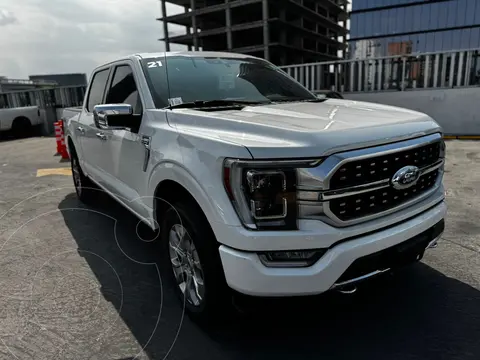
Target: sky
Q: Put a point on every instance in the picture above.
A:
(69, 36)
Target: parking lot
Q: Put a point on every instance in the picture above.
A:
(78, 283)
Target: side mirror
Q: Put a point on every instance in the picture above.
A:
(114, 116)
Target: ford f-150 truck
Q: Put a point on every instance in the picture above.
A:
(256, 185)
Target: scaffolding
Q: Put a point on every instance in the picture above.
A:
(281, 31)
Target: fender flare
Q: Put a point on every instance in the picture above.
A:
(178, 173)
(68, 137)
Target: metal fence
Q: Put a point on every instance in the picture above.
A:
(57, 97)
(403, 72)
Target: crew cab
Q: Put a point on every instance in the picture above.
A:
(256, 185)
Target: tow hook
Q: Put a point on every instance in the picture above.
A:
(347, 289)
(433, 244)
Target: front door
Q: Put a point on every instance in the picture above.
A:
(93, 145)
(127, 152)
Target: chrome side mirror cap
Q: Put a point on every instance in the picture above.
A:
(112, 116)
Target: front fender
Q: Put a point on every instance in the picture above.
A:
(208, 192)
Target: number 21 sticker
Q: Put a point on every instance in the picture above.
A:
(154, 64)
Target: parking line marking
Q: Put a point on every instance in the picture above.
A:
(55, 171)
(468, 137)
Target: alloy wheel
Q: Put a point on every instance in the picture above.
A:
(186, 265)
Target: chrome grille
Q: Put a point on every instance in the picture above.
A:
(332, 191)
(372, 202)
(373, 169)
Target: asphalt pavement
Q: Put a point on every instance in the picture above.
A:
(78, 283)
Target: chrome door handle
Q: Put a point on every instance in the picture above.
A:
(101, 136)
(81, 129)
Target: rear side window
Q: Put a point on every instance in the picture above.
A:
(124, 89)
(95, 96)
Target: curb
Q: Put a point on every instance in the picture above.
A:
(461, 137)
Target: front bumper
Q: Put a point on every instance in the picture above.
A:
(245, 272)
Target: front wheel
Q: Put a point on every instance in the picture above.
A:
(193, 261)
(84, 187)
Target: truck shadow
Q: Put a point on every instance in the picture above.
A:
(418, 313)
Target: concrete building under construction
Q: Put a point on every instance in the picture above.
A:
(282, 31)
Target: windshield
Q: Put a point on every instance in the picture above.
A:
(206, 79)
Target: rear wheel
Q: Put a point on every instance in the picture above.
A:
(193, 261)
(84, 187)
(21, 127)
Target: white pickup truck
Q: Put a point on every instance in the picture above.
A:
(256, 185)
(20, 120)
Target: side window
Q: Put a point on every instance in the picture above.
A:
(124, 89)
(95, 95)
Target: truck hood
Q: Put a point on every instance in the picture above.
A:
(302, 129)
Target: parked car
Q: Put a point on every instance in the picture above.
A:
(20, 120)
(256, 185)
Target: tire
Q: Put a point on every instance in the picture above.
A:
(84, 187)
(215, 300)
(21, 127)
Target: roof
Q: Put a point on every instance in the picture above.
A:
(177, 53)
(194, 54)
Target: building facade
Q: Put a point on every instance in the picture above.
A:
(281, 31)
(396, 27)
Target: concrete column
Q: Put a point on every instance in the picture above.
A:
(266, 31)
(228, 22)
(194, 25)
(283, 37)
(165, 26)
(189, 31)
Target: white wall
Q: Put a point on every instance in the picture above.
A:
(456, 110)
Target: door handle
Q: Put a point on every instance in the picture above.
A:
(81, 129)
(101, 136)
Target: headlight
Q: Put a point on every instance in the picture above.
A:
(264, 193)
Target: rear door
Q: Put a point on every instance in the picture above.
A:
(127, 153)
(93, 145)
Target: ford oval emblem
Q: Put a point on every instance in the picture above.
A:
(406, 177)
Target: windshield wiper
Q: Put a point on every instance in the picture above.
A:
(314, 100)
(216, 103)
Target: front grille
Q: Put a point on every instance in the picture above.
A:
(359, 172)
(357, 206)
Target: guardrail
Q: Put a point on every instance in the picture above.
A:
(449, 69)
(56, 97)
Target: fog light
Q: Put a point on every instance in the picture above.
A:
(291, 258)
